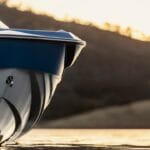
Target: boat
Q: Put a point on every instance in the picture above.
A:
(32, 63)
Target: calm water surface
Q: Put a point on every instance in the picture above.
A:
(87, 139)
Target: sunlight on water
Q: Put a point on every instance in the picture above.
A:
(131, 16)
(97, 137)
(82, 139)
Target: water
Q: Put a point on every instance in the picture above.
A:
(77, 139)
(74, 147)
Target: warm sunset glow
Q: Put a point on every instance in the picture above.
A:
(92, 137)
(126, 13)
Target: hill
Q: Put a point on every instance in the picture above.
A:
(130, 116)
(112, 69)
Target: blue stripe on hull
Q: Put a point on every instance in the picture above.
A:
(34, 55)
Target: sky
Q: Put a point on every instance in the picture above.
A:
(132, 13)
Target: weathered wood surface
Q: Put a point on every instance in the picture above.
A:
(75, 139)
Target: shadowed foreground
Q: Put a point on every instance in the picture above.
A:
(76, 139)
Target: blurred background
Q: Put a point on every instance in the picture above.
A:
(109, 86)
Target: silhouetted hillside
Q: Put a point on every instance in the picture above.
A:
(112, 69)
